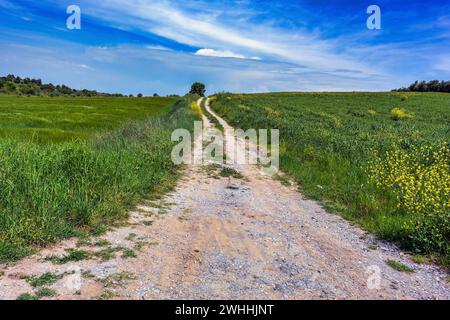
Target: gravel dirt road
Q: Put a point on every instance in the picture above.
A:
(236, 237)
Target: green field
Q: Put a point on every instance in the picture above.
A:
(99, 156)
(380, 159)
(59, 119)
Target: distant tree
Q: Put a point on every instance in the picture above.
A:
(140, 95)
(430, 86)
(10, 87)
(413, 87)
(198, 88)
(446, 86)
(156, 95)
(29, 89)
(434, 85)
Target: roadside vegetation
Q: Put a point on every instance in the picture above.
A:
(58, 185)
(380, 159)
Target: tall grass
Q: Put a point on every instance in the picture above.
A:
(329, 140)
(54, 191)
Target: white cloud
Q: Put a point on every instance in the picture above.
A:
(167, 19)
(222, 54)
(292, 59)
(120, 69)
(159, 48)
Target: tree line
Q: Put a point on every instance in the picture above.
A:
(424, 86)
(35, 87)
(13, 85)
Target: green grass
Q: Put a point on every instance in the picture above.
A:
(129, 253)
(216, 171)
(399, 266)
(106, 295)
(45, 292)
(41, 293)
(73, 255)
(102, 243)
(45, 279)
(328, 139)
(27, 297)
(63, 187)
(227, 172)
(107, 253)
(60, 119)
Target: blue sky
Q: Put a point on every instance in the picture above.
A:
(148, 46)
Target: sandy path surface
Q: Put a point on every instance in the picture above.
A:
(220, 237)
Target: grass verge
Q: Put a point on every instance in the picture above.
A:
(53, 191)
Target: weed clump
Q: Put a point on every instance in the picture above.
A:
(400, 114)
(399, 266)
(46, 279)
(73, 255)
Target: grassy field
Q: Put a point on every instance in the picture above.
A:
(380, 159)
(66, 187)
(60, 119)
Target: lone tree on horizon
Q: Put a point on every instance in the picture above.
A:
(198, 88)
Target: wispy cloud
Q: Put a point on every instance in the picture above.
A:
(233, 45)
(443, 64)
(222, 54)
(167, 19)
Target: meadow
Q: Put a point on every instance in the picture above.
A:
(59, 119)
(72, 166)
(381, 160)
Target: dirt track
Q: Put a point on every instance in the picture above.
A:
(233, 238)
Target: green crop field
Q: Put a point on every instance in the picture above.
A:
(71, 166)
(58, 119)
(379, 159)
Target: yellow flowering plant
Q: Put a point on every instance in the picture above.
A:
(400, 114)
(419, 178)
